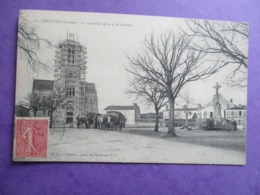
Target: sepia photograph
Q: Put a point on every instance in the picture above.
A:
(118, 88)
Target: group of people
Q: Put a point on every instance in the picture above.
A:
(110, 121)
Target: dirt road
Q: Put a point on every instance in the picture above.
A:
(94, 145)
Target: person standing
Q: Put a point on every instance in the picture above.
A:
(29, 135)
(78, 122)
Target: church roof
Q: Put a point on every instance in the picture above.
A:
(42, 84)
(48, 85)
(90, 88)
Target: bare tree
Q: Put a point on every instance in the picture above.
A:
(29, 43)
(227, 40)
(169, 61)
(150, 93)
(53, 100)
(34, 102)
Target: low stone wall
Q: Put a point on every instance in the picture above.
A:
(178, 122)
(145, 122)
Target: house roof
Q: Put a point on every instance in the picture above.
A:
(42, 84)
(149, 113)
(184, 109)
(223, 102)
(238, 108)
(120, 108)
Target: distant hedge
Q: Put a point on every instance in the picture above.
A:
(210, 124)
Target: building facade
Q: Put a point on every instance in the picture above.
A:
(218, 108)
(42, 88)
(180, 113)
(70, 78)
(70, 75)
(45, 87)
(132, 113)
(208, 109)
(237, 114)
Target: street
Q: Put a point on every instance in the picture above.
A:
(143, 145)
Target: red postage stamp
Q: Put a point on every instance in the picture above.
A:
(31, 138)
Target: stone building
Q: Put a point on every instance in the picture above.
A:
(70, 75)
(132, 112)
(238, 114)
(45, 87)
(218, 108)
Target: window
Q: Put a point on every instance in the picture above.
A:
(69, 118)
(73, 56)
(70, 75)
(240, 113)
(230, 113)
(69, 54)
(211, 115)
(70, 113)
(70, 91)
(189, 113)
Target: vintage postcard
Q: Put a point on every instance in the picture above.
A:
(94, 87)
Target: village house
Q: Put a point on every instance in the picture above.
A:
(180, 115)
(218, 108)
(132, 113)
(208, 109)
(238, 114)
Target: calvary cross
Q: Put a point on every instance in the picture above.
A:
(217, 86)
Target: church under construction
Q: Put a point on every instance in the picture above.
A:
(70, 76)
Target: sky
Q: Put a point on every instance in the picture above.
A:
(109, 39)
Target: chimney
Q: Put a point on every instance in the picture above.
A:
(231, 100)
